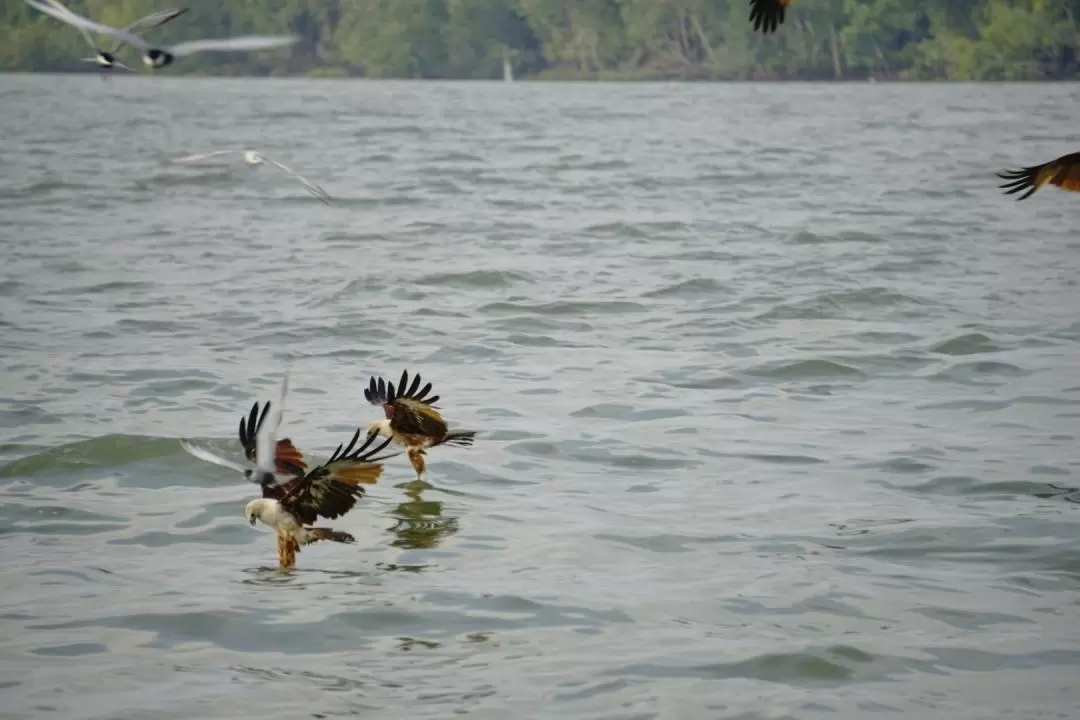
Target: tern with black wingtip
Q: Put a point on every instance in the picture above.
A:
(159, 57)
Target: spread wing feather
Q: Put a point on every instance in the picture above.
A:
(411, 417)
(233, 44)
(1064, 172)
(767, 15)
(72, 18)
(332, 489)
(287, 458)
(148, 23)
(381, 392)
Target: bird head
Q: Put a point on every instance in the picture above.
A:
(379, 427)
(157, 58)
(253, 511)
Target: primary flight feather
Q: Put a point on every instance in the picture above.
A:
(1062, 172)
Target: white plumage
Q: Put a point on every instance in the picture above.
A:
(254, 157)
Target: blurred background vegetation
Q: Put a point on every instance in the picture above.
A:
(588, 39)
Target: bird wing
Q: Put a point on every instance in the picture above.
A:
(1064, 172)
(153, 20)
(381, 392)
(412, 417)
(148, 23)
(407, 406)
(247, 42)
(767, 15)
(287, 458)
(204, 454)
(332, 489)
(203, 156)
(79, 21)
(311, 187)
(266, 434)
(59, 6)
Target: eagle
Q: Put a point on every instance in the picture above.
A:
(767, 14)
(327, 491)
(412, 419)
(1063, 172)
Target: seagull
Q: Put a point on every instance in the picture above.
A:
(106, 59)
(155, 57)
(254, 157)
(267, 457)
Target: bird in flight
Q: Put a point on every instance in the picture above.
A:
(412, 419)
(329, 490)
(106, 59)
(254, 157)
(1064, 172)
(159, 57)
(767, 14)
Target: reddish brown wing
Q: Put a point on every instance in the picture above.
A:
(767, 15)
(287, 458)
(1068, 178)
(332, 489)
(1064, 172)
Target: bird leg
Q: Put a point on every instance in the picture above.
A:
(287, 547)
(416, 457)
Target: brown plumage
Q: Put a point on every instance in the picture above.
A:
(1064, 172)
(287, 458)
(327, 491)
(767, 15)
(331, 489)
(412, 419)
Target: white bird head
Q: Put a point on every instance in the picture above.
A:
(253, 510)
(252, 157)
(380, 427)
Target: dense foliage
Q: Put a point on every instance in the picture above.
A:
(607, 39)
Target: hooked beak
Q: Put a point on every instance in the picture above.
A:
(252, 521)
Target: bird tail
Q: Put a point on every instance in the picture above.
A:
(459, 438)
(316, 534)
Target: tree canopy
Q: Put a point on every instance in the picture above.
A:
(589, 39)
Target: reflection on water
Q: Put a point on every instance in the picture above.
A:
(420, 523)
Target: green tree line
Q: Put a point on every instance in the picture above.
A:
(588, 39)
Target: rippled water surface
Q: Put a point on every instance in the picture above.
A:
(778, 397)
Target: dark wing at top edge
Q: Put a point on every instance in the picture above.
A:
(288, 459)
(381, 392)
(332, 489)
(1064, 172)
(767, 15)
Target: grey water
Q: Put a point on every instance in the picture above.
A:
(778, 399)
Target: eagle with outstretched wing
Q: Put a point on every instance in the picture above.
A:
(767, 15)
(1064, 172)
(412, 418)
(327, 491)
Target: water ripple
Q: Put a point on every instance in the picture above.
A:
(772, 425)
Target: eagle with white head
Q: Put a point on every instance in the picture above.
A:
(412, 419)
(327, 491)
